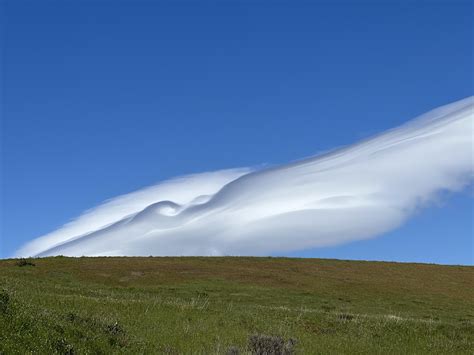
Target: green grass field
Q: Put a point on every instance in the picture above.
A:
(213, 305)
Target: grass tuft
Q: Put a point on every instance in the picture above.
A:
(345, 317)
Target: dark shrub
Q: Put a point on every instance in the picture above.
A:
(114, 329)
(24, 262)
(233, 350)
(260, 344)
(63, 347)
(4, 301)
(117, 336)
(71, 317)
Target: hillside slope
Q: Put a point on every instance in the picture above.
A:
(208, 305)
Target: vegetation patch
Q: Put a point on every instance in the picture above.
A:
(4, 301)
(261, 344)
(24, 262)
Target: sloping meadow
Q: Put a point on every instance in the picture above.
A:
(231, 305)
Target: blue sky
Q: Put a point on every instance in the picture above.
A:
(102, 98)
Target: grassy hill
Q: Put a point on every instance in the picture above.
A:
(215, 305)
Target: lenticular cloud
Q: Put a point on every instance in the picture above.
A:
(350, 194)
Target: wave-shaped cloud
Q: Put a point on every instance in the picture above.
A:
(350, 194)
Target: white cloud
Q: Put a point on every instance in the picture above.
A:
(353, 193)
(182, 190)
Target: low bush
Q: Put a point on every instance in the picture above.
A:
(63, 347)
(233, 350)
(260, 344)
(25, 262)
(4, 301)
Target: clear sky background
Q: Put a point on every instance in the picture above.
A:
(100, 98)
